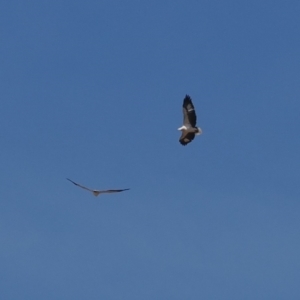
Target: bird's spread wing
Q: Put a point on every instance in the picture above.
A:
(189, 114)
(112, 191)
(186, 137)
(83, 187)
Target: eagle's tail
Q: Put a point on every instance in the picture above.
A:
(199, 131)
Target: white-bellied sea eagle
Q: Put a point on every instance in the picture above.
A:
(98, 192)
(188, 129)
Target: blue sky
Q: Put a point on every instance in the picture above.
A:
(92, 90)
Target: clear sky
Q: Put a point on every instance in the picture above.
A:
(92, 90)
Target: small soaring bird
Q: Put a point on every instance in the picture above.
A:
(97, 192)
(189, 129)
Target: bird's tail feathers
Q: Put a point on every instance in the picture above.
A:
(199, 131)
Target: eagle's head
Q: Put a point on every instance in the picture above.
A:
(182, 128)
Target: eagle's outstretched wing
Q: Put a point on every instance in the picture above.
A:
(186, 137)
(189, 114)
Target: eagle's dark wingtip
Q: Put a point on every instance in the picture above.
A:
(187, 100)
(72, 181)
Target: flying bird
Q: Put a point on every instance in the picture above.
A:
(97, 192)
(188, 129)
